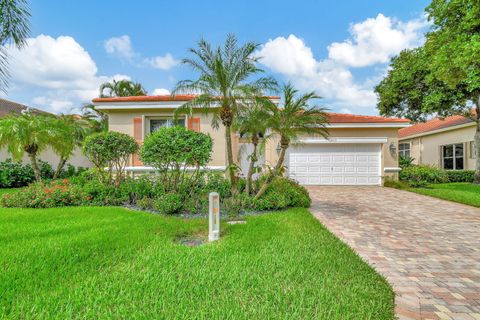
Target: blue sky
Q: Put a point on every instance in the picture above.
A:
(339, 49)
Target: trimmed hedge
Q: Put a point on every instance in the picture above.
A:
(460, 175)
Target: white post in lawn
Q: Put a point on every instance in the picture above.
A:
(213, 216)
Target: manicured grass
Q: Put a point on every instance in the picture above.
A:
(107, 262)
(465, 193)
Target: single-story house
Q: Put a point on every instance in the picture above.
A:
(8, 107)
(444, 143)
(361, 150)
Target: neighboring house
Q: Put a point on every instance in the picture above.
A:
(361, 150)
(9, 107)
(444, 143)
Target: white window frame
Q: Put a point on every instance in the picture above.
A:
(453, 157)
(402, 152)
(472, 149)
(167, 118)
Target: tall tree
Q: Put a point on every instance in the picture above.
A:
(27, 133)
(122, 88)
(294, 120)
(224, 86)
(14, 29)
(70, 131)
(441, 78)
(252, 124)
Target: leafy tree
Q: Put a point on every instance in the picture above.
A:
(14, 29)
(71, 130)
(175, 150)
(27, 133)
(224, 85)
(294, 119)
(122, 88)
(441, 78)
(252, 123)
(110, 153)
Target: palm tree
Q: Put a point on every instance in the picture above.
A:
(122, 88)
(70, 130)
(97, 119)
(252, 123)
(14, 29)
(223, 87)
(292, 121)
(26, 133)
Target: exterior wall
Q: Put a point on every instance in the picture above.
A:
(77, 160)
(122, 121)
(426, 149)
(389, 160)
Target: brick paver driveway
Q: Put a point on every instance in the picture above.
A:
(428, 249)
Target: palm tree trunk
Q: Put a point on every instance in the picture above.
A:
(476, 178)
(231, 164)
(253, 160)
(36, 169)
(60, 166)
(275, 172)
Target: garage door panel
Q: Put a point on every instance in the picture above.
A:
(335, 164)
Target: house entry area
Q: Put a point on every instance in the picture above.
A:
(336, 164)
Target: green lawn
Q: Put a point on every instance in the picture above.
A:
(108, 262)
(465, 193)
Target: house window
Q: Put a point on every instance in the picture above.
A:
(453, 156)
(156, 124)
(473, 150)
(404, 150)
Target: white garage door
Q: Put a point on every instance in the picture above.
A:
(335, 164)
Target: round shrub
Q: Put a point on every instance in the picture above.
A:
(460, 175)
(178, 154)
(111, 150)
(169, 203)
(283, 193)
(15, 174)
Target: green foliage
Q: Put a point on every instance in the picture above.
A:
(460, 175)
(110, 150)
(405, 162)
(121, 88)
(423, 175)
(169, 203)
(173, 151)
(14, 29)
(396, 184)
(282, 193)
(39, 195)
(15, 174)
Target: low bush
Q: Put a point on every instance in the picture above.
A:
(460, 175)
(392, 183)
(169, 203)
(59, 193)
(283, 193)
(423, 175)
(17, 174)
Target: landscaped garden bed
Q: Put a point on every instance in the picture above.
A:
(109, 262)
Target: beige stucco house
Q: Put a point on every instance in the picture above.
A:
(361, 150)
(445, 143)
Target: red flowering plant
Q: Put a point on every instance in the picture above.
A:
(58, 193)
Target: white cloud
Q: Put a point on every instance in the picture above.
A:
(163, 63)
(59, 72)
(160, 92)
(120, 46)
(294, 59)
(376, 40)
